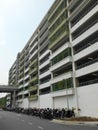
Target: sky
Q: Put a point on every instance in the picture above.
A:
(18, 21)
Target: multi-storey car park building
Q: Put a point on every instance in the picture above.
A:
(58, 67)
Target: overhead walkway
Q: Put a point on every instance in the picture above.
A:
(7, 88)
(12, 90)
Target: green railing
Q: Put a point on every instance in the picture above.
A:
(33, 62)
(57, 39)
(58, 21)
(61, 56)
(57, 12)
(34, 83)
(21, 74)
(64, 84)
(53, 7)
(33, 88)
(34, 79)
(56, 28)
(33, 97)
(33, 70)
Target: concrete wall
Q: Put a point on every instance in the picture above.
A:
(33, 104)
(25, 103)
(88, 100)
(45, 101)
(60, 102)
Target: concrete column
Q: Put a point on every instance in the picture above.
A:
(11, 99)
(14, 99)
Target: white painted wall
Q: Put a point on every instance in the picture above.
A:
(33, 104)
(59, 102)
(86, 51)
(88, 100)
(25, 103)
(85, 18)
(45, 101)
(85, 34)
(87, 69)
(20, 104)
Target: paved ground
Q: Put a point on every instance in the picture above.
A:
(14, 121)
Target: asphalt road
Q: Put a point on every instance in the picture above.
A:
(14, 121)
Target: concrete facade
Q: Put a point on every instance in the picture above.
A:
(58, 67)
